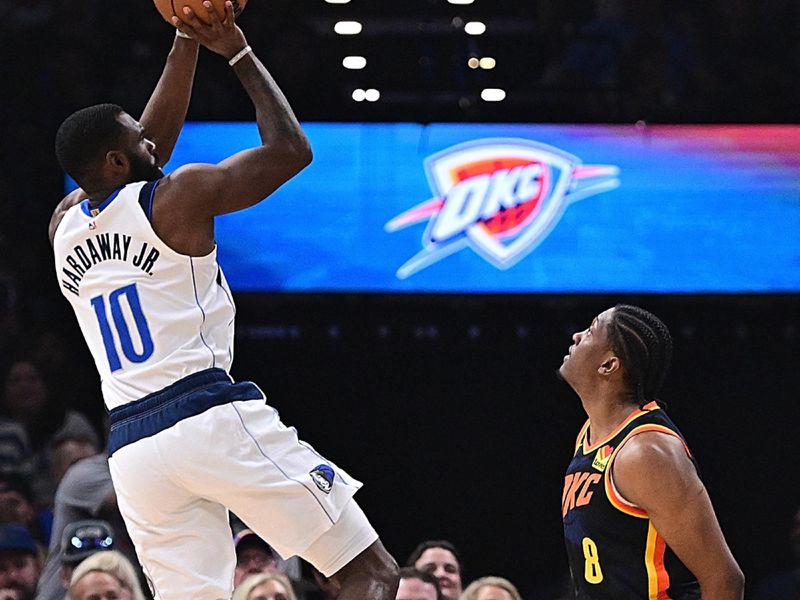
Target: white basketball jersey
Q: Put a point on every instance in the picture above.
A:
(150, 316)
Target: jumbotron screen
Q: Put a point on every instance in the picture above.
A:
(492, 209)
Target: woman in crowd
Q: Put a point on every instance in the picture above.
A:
(491, 588)
(441, 558)
(107, 575)
(265, 586)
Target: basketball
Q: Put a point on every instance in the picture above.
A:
(170, 8)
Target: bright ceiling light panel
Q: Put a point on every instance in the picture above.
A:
(347, 27)
(493, 95)
(475, 28)
(354, 62)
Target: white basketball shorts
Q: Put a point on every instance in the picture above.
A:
(180, 458)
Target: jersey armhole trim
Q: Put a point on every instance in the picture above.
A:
(146, 195)
(614, 497)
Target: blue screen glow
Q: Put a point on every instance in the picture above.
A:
(457, 208)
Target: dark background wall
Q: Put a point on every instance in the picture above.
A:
(446, 407)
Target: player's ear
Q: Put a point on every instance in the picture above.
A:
(117, 161)
(610, 365)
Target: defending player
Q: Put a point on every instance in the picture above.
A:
(136, 258)
(638, 521)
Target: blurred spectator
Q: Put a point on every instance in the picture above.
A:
(17, 505)
(19, 563)
(253, 556)
(85, 492)
(105, 575)
(441, 558)
(36, 421)
(328, 588)
(786, 584)
(81, 540)
(291, 567)
(69, 448)
(418, 585)
(491, 588)
(265, 586)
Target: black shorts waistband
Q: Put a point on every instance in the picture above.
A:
(185, 398)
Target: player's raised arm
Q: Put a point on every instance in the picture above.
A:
(163, 115)
(202, 191)
(654, 472)
(165, 112)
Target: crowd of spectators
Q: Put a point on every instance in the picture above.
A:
(616, 61)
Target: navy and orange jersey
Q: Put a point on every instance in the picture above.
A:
(614, 550)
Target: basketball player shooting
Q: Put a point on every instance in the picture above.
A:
(136, 258)
(638, 522)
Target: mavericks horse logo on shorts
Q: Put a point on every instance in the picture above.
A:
(322, 476)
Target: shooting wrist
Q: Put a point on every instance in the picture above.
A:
(240, 55)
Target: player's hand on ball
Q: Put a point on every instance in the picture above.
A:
(221, 36)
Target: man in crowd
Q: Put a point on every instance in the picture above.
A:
(19, 563)
(418, 585)
(253, 556)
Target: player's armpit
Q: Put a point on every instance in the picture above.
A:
(653, 470)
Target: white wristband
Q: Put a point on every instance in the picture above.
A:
(179, 33)
(240, 55)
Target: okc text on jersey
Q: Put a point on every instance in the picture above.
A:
(500, 196)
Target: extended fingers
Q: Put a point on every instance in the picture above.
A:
(211, 13)
(188, 20)
(181, 31)
(229, 13)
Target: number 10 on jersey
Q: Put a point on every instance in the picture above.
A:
(131, 296)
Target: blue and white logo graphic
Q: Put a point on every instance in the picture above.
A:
(322, 476)
(502, 197)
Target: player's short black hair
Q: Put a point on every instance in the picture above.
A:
(426, 545)
(86, 135)
(424, 577)
(644, 345)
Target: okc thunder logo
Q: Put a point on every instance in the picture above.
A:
(501, 197)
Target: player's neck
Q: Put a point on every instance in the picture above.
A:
(97, 198)
(105, 188)
(605, 415)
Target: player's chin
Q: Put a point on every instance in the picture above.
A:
(155, 172)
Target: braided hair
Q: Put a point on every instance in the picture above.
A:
(644, 346)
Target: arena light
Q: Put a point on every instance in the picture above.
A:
(493, 95)
(354, 62)
(359, 95)
(461, 1)
(347, 27)
(475, 28)
(473, 62)
(337, 1)
(487, 62)
(372, 95)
